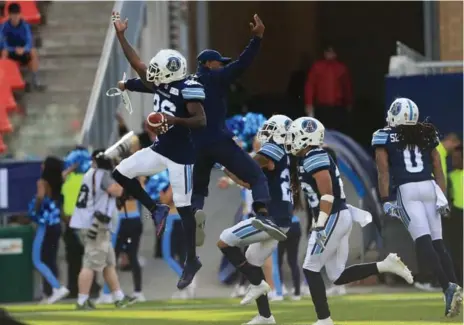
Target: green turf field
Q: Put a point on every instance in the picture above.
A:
(374, 309)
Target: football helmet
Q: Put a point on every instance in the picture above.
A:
(302, 133)
(403, 111)
(166, 66)
(274, 128)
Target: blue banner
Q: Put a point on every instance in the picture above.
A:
(437, 96)
(18, 185)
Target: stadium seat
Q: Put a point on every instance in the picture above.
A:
(5, 125)
(10, 75)
(3, 146)
(29, 11)
(7, 100)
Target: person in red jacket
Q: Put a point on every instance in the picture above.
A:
(328, 93)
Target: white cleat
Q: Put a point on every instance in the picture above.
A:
(239, 291)
(295, 298)
(200, 218)
(284, 290)
(427, 287)
(393, 264)
(58, 294)
(180, 295)
(139, 297)
(255, 292)
(273, 296)
(260, 320)
(104, 299)
(336, 291)
(327, 321)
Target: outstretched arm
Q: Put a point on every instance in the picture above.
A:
(129, 52)
(233, 70)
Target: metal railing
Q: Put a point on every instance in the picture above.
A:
(99, 122)
(424, 66)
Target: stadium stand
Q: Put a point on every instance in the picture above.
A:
(11, 79)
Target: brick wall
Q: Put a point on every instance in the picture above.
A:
(450, 18)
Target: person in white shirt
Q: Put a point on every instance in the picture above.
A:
(95, 216)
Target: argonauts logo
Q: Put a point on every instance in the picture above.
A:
(287, 124)
(396, 108)
(173, 64)
(309, 125)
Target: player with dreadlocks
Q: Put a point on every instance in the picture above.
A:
(406, 150)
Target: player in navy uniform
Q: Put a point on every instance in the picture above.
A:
(179, 98)
(215, 144)
(328, 245)
(406, 151)
(262, 234)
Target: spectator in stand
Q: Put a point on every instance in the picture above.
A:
(328, 93)
(145, 138)
(16, 37)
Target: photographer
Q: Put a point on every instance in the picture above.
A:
(94, 216)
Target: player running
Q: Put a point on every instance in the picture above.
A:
(215, 144)
(406, 150)
(179, 98)
(262, 234)
(328, 244)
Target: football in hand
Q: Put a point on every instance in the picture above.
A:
(156, 119)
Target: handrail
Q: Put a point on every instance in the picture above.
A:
(98, 82)
(99, 123)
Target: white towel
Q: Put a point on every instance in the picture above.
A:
(360, 216)
(441, 198)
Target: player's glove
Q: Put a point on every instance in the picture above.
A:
(391, 209)
(443, 210)
(321, 236)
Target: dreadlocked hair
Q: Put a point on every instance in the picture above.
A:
(295, 183)
(423, 135)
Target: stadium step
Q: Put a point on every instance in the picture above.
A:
(72, 43)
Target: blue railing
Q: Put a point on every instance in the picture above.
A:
(99, 122)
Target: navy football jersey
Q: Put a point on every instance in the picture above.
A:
(405, 165)
(314, 161)
(281, 205)
(176, 144)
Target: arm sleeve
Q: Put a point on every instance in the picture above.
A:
(272, 151)
(5, 44)
(194, 92)
(107, 180)
(379, 138)
(236, 68)
(316, 162)
(137, 85)
(27, 37)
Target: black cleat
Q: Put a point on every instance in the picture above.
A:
(188, 274)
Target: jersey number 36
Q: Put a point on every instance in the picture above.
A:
(163, 106)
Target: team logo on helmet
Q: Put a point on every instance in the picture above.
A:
(287, 124)
(396, 108)
(309, 126)
(173, 64)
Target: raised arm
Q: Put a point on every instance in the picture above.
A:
(129, 52)
(233, 70)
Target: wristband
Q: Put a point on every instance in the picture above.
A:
(321, 219)
(384, 199)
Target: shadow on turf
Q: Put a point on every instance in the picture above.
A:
(6, 319)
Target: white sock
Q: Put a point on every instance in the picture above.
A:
(137, 294)
(381, 267)
(81, 299)
(118, 295)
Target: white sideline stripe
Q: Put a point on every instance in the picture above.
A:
(139, 308)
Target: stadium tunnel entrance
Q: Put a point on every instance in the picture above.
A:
(363, 33)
